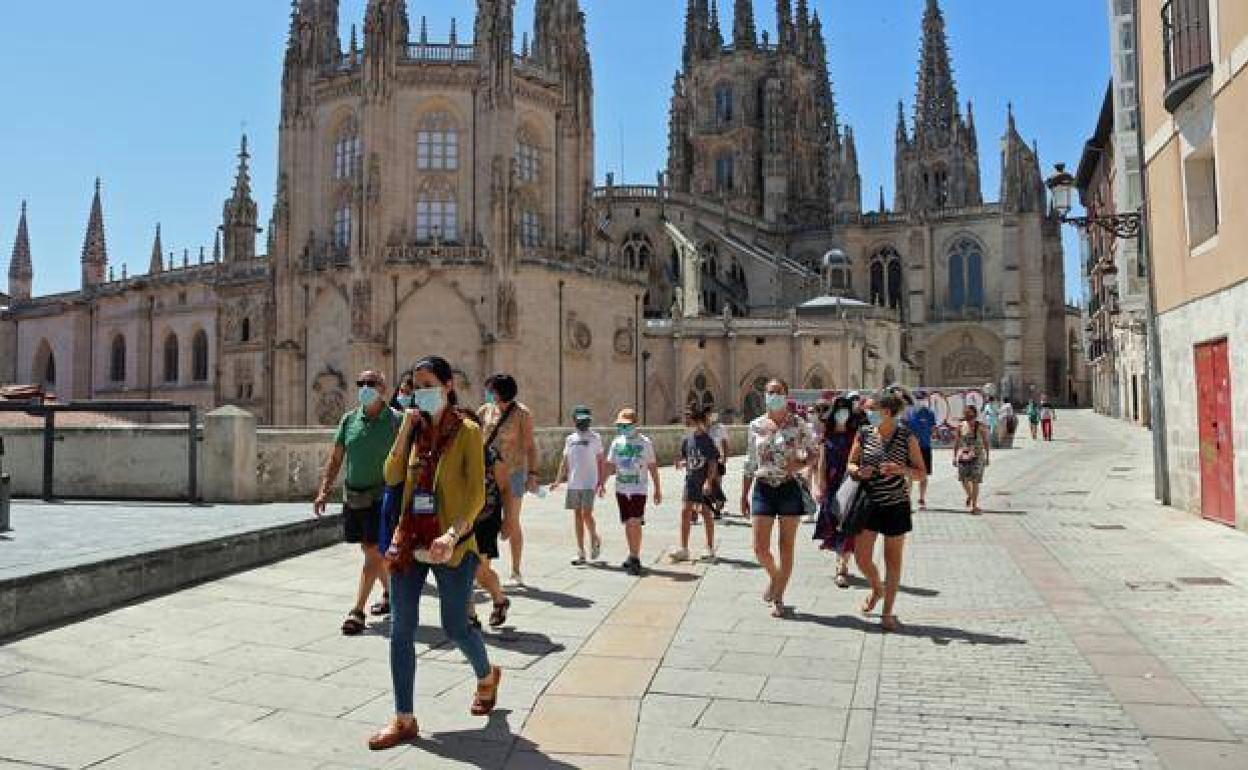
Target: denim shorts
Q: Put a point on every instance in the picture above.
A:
(519, 482)
(779, 500)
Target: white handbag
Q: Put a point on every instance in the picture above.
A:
(845, 496)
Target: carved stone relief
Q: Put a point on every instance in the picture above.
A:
(330, 389)
(508, 312)
(579, 338)
(625, 337)
(968, 363)
(361, 309)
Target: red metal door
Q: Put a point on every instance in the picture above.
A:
(1217, 452)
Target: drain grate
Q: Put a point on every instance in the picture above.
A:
(1152, 585)
(1204, 581)
(1107, 527)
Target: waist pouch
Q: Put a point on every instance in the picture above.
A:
(360, 499)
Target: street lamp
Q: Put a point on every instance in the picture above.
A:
(1062, 186)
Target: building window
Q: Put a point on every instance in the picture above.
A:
(700, 394)
(342, 227)
(117, 360)
(529, 162)
(171, 358)
(723, 104)
(199, 356)
(437, 149)
(966, 275)
(877, 282)
(244, 334)
(1200, 190)
(723, 173)
(347, 153)
(437, 220)
(636, 252)
(49, 370)
(894, 284)
(530, 229)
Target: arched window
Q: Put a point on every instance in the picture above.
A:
(966, 275)
(347, 151)
(171, 358)
(342, 227)
(877, 282)
(49, 371)
(117, 360)
(894, 284)
(530, 229)
(199, 355)
(723, 173)
(700, 393)
(528, 159)
(437, 144)
(839, 278)
(723, 104)
(244, 330)
(437, 216)
(636, 252)
(44, 365)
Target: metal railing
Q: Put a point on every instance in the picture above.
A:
(49, 412)
(441, 52)
(1186, 48)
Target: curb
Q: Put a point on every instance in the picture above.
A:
(34, 602)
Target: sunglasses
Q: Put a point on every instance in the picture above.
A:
(366, 383)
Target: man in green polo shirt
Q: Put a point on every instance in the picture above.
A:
(363, 440)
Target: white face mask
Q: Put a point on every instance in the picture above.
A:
(429, 400)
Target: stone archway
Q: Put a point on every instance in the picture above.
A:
(438, 319)
(968, 356)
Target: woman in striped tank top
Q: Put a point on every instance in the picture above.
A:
(886, 458)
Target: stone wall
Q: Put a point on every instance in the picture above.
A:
(110, 462)
(1219, 316)
(150, 462)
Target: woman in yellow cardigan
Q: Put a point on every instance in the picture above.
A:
(456, 498)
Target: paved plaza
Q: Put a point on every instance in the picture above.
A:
(1076, 624)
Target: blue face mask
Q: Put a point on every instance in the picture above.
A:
(490, 398)
(776, 402)
(405, 401)
(368, 395)
(842, 416)
(429, 400)
(875, 417)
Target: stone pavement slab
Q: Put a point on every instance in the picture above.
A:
(1058, 630)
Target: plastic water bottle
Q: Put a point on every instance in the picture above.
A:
(541, 492)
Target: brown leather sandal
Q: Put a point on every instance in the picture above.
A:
(354, 624)
(395, 734)
(499, 616)
(487, 694)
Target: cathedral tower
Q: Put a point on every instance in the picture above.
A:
(239, 214)
(938, 166)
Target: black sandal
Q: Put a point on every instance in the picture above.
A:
(499, 615)
(354, 624)
(474, 621)
(382, 607)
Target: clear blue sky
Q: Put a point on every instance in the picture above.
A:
(151, 96)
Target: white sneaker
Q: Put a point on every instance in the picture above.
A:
(595, 549)
(579, 561)
(709, 556)
(680, 554)
(517, 580)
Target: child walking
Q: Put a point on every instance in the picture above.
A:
(699, 458)
(583, 466)
(630, 458)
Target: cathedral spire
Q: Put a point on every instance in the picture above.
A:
(784, 24)
(744, 34)
(903, 132)
(803, 26)
(239, 214)
(971, 137)
(936, 100)
(715, 35)
(94, 248)
(20, 270)
(158, 251)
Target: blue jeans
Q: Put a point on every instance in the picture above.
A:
(454, 590)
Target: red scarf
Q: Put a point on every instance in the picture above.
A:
(429, 444)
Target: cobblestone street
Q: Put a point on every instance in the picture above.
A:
(1076, 624)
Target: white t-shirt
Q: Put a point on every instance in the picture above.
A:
(632, 457)
(581, 452)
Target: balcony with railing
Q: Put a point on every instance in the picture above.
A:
(1186, 48)
(442, 53)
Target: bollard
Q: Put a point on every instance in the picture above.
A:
(4, 492)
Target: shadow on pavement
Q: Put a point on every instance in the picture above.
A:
(940, 635)
(737, 563)
(858, 582)
(966, 513)
(479, 748)
(647, 571)
(557, 598)
(506, 638)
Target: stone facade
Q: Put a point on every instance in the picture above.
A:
(437, 197)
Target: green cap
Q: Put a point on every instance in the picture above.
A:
(581, 412)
